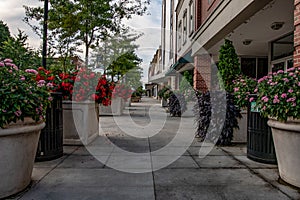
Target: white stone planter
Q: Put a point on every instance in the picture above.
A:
(116, 107)
(164, 102)
(286, 138)
(80, 122)
(240, 135)
(18, 145)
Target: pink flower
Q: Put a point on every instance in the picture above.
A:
(290, 69)
(251, 99)
(284, 95)
(7, 60)
(291, 99)
(32, 71)
(280, 72)
(290, 90)
(294, 104)
(49, 85)
(4, 111)
(264, 108)
(285, 80)
(50, 98)
(255, 91)
(236, 89)
(22, 78)
(276, 100)
(18, 113)
(299, 84)
(265, 99)
(2, 64)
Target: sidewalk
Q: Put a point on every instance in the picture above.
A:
(225, 173)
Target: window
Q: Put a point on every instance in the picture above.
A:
(282, 53)
(184, 27)
(179, 33)
(191, 18)
(282, 64)
(283, 47)
(254, 67)
(171, 41)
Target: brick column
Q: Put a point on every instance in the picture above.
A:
(297, 34)
(202, 72)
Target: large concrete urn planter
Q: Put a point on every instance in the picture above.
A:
(286, 136)
(240, 135)
(116, 107)
(18, 145)
(80, 122)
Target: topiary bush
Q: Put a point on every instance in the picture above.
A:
(228, 66)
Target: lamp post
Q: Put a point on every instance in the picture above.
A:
(45, 30)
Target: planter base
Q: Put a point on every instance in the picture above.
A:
(18, 147)
(116, 108)
(80, 122)
(287, 146)
(240, 135)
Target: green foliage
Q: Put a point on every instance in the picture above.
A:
(186, 85)
(279, 94)
(17, 49)
(164, 93)
(87, 21)
(243, 87)
(228, 66)
(4, 33)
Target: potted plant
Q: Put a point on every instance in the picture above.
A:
(279, 100)
(83, 91)
(228, 71)
(220, 134)
(164, 95)
(177, 104)
(243, 86)
(119, 93)
(23, 106)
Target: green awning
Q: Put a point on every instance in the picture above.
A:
(187, 58)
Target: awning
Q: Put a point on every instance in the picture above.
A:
(187, 58)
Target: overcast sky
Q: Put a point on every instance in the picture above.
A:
(12, 13)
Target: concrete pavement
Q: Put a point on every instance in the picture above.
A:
(119, 164)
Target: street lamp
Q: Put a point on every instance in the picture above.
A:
(45, 30)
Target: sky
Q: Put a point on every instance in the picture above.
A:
(12, 13)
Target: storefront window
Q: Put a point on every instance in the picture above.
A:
(283, 47)
(254, 67)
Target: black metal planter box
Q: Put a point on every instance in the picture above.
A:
(260, 146)
(51, 140)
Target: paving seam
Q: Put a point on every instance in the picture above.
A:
(38, 181)
(258, 174)
(153, 179)
(194, 159)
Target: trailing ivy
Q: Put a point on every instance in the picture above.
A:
(203, 111)
(177, 104)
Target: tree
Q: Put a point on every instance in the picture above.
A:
(89, 21)
(123, 65)
(4, 33)
(17, 49)
(133, 77)
(113, 47)
(228, 66)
